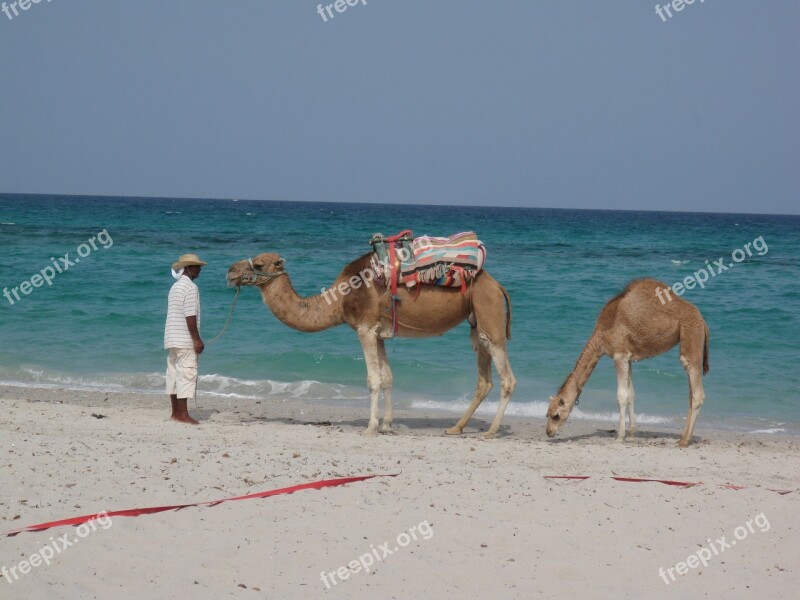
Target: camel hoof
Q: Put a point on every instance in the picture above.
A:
(683, 443)
(386, 429)
(369, 432)
(489, 435)
(453, 431)
(619, 440)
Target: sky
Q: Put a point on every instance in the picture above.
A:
(558, 103)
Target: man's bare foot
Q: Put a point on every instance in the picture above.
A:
(180, 412)
(184, 419)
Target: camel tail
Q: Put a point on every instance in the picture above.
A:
(508, 312)
(705, 352)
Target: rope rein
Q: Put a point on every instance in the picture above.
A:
(230, 315)
(254, 280)
(219, 335)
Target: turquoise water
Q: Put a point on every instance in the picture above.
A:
(100, 323)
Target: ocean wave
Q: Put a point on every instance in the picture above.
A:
(679, 262)
(154, 383)
(774, 430)
(308, 389)
(533, 409)
(36, 377)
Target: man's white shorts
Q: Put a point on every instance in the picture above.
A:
(182, 372)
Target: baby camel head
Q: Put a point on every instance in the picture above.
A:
(256, 271)
(561, 405)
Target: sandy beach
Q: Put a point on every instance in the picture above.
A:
(290, 207)
(465, 517)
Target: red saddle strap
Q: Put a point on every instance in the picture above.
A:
(393, 274)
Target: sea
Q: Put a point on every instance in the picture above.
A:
(98, 323)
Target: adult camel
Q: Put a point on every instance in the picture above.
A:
(357, 300)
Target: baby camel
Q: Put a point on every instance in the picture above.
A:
(637, 324)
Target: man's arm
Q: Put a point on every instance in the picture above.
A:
(191, 323)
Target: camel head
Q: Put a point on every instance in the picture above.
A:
(258, 270)
(561, 405)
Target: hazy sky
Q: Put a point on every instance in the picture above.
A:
(558, 103)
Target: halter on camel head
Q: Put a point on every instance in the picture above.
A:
(256, 275)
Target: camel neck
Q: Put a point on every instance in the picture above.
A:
(587, 361)
(309, 314)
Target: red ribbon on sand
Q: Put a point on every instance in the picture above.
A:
(664, 481)
(135, 512)
(727, 486)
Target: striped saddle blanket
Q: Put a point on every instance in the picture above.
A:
(448, 261)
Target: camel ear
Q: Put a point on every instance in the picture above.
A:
(279, 263)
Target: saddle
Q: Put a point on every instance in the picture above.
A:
(446, 261)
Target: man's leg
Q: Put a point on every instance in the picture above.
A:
(175, 411)
(186, 364)
(172, 383)
(183, 413)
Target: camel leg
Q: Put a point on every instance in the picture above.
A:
(631, 396)
(696, 397)
(507, 384)
(386, 387)
(369, 343)
(692, 344)
(623, 365)
(484, 382)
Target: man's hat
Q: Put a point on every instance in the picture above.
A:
(188, 260)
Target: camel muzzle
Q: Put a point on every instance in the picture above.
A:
(551, 429)
(233, 280)
(253, 276)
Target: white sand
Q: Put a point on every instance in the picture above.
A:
(500, 530)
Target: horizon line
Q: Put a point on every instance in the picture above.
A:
(378, 203)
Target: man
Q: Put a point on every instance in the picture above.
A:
(182, 336)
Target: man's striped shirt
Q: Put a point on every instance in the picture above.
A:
(184, 301)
